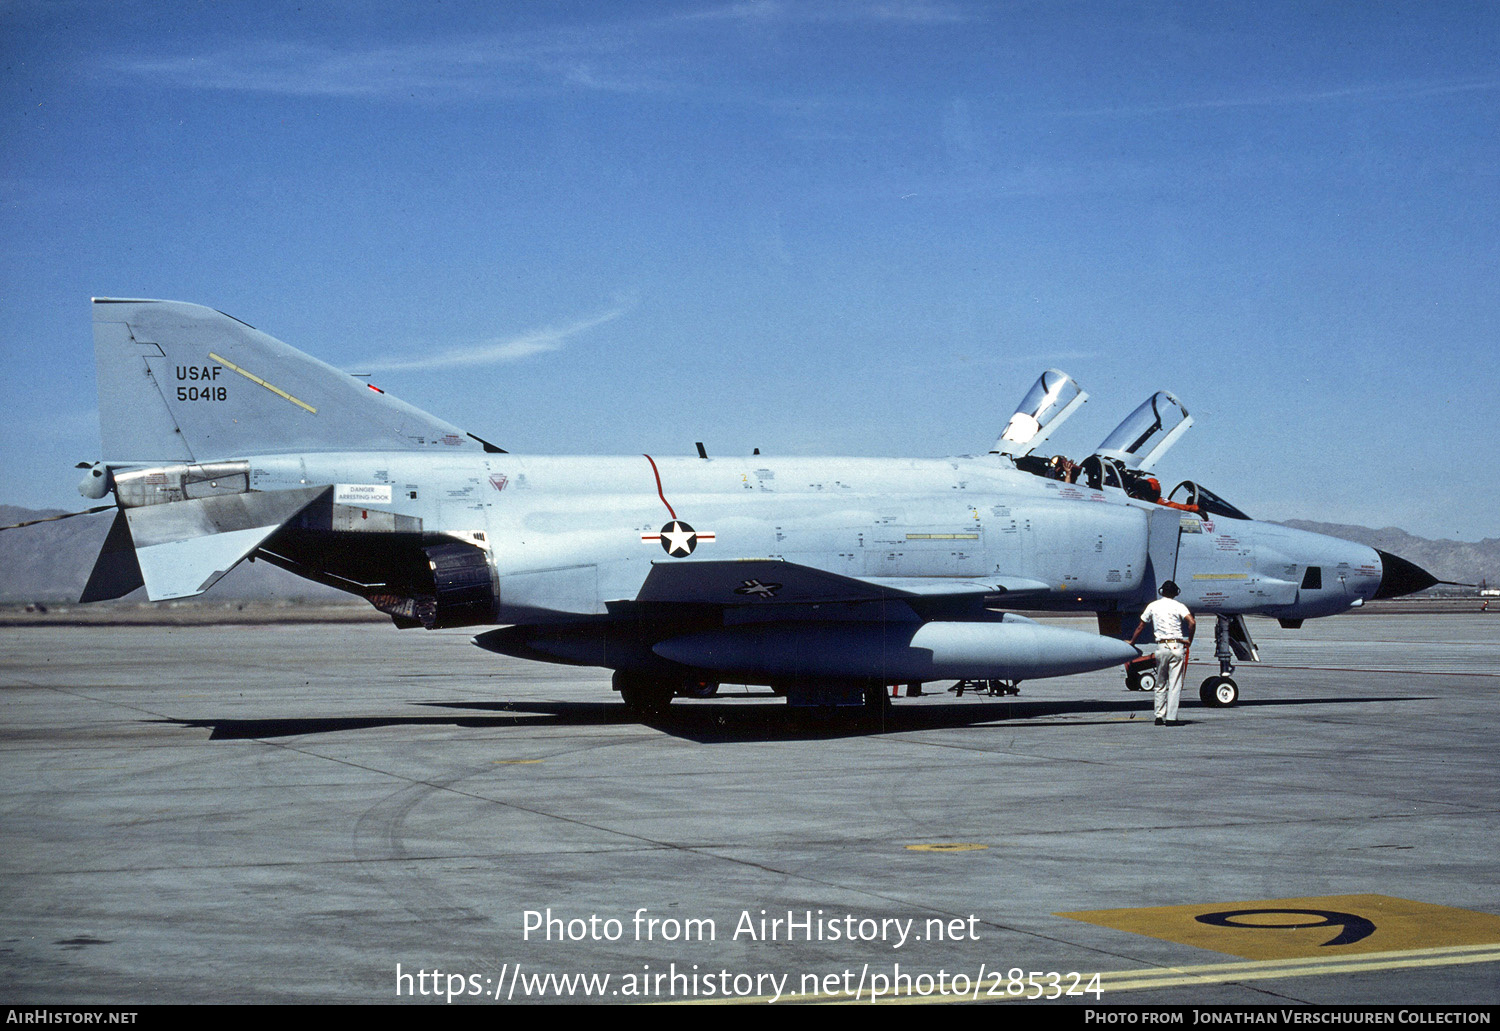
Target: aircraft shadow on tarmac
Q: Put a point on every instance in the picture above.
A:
(757, 718)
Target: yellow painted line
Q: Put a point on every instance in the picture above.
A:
(1305, 929)
(950, 846)
(515, 762)
(253, 378)
(1162, 977)
(1221, 576)
(1261, 970)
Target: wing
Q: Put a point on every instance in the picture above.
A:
(762, 582)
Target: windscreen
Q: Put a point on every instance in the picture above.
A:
(1203, 500)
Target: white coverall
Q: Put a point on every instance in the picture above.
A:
(1167, 617)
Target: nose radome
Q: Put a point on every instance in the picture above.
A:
(1398, 576)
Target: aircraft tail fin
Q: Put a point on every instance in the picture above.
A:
(183, 383)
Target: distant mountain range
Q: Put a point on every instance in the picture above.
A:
(51, 561)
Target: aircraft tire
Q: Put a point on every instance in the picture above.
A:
(643, 695)
(877, 707)
(1219, 692)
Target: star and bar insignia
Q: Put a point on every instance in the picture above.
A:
(677, 538)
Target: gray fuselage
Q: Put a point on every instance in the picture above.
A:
(568, 535)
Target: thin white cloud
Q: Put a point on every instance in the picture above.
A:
(1373, 91)
(611, 54)
(498, 351)
(915, 12)
(911, 12)
(494, 65)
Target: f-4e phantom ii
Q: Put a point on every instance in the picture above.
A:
(825, 578)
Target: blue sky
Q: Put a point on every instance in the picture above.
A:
(813, 228)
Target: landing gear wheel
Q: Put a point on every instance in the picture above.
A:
(643, 696)
(1219, 692)
(877, 707)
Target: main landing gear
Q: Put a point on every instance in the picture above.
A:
(648, 695)
(644, 695)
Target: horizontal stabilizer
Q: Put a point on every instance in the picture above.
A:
(181, 569)
(116, 571)
(184, 547)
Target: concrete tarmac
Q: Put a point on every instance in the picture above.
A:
(291, 813)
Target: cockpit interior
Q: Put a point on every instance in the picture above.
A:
(1123, 460)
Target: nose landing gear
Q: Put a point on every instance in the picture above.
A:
(1221, 691)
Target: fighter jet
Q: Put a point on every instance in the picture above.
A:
(826, 579)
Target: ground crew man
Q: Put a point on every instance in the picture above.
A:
(1174, 627)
